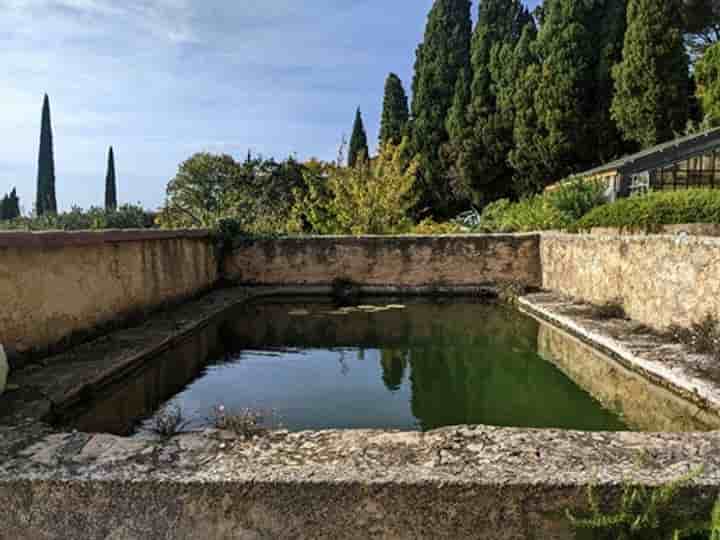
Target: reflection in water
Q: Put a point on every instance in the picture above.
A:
(394, 363)
(427, 366)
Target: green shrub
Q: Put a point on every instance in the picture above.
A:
(649, 212)
(531, 214)
(576, 197)
(126, 217)
(558, 209)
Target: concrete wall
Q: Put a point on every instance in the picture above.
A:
(660, 280)
(400, 261)
(56, 286)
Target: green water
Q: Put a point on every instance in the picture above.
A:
(424, 366)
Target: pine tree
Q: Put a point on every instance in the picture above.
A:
(110, 183)
(482, 172)
(395, 111)
(651, 82)
(46, 203)
(358, 141)
(440, 59)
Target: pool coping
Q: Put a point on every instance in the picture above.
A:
(670, 365)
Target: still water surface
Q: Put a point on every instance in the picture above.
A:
(421, 365)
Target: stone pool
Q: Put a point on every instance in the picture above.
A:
(383, 364)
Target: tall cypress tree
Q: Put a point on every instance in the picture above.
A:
(14, 205)
(110, 183)
(358, 141)
(440, 59)
(707, 73)
(607, 23)
(481, 150)
(651, 82)
(395, 111)
(528, 171)
(4, 208)
(46, 203)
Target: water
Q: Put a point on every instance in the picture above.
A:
(424, 366)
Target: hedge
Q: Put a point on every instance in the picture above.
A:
(649, 212)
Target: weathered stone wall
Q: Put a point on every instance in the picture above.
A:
(56, 286)
(399, 261)
(456, 483)
(660, 280)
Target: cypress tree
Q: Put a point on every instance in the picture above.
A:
(358, 141)
(46, 202)
(607, 21)
(481, 165)
(569, 127)
(14, 205)
(651, 81)
(4, 208)
(395, 111)
(440, 59)
(565, 48)
(110, 183)
(528, 171)
(10, 206)
(707, 74)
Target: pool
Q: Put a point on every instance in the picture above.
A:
(390, 364)
(385, 364)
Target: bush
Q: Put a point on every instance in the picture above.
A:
(126, 217)
(558, 209)
(576, 197)
(649, 212)
(430, 227)
(531, 214)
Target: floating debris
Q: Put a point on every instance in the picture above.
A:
(299, 313)
(367, 308)
(396, 306)
(338, 312)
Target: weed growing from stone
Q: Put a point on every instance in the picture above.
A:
(646, 514)
(702, 337)
(247, 423)
(169, 421)
(609, 310)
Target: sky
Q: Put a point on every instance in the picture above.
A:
(162, 79)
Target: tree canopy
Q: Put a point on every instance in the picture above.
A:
(110, 183)
(46, 202)
(358, 141)
(651, 81)
(395, 114)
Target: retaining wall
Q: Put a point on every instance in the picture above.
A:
(58, 286)
(398, 261)
(659, 280)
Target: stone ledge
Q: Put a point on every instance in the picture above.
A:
(463, 482)
(55, 239)
(670, 365)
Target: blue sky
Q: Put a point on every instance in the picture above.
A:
(162, 79)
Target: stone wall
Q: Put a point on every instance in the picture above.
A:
(58, 286)
(660, 280)
(398, 261)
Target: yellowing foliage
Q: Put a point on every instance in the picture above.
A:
(373, 197)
